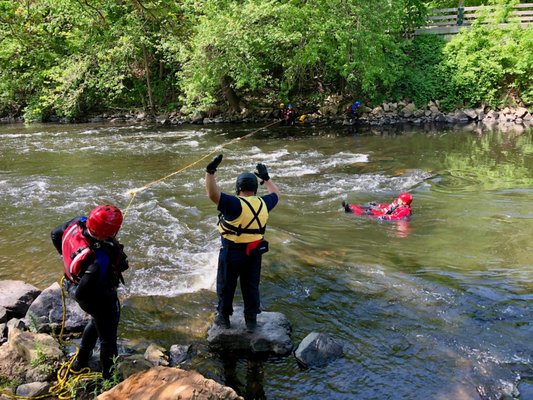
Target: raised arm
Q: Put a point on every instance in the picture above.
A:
(211, 187)
(262, 173)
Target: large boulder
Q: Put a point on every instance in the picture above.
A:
(270, 336)
(47, 311)
(34, 346)
(318, 349)
(16, 299)
(165, 383)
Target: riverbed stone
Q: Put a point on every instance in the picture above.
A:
(47, 312)
(130, 365)
(16, 298)
(12, 366)
(471, 113)
(33, 389)
(32, 346)
(318, 349)
(272, 334)
(408, 110)
(165, 383)
(157, 355)
(179, 354)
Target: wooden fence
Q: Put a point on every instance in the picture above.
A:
(448, 21)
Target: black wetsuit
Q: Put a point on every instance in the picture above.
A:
(96, 293)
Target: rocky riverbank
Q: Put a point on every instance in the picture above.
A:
(38, 342)
(331, 112)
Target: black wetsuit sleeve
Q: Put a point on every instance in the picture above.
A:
(57, 234)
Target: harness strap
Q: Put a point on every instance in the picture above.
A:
(239, 230)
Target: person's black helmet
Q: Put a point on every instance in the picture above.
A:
(246, 182)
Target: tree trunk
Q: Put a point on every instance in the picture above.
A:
(230, 95)
(148, 83)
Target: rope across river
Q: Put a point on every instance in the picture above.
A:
(67, 379)
(133, 192)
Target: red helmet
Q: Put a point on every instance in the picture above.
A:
(406, 198)
(104, 221)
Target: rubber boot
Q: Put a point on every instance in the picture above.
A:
(82, 360)
(251, 322)
(222, 320)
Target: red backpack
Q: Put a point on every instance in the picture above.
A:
(75, 249)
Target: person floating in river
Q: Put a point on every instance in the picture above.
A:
(399, 209)
(242, 223)
(93, 264)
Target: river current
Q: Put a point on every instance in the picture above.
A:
(438, 307)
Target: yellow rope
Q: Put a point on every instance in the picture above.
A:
(67, 378)
(134, 192)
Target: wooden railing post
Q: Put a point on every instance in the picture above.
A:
(460, 13)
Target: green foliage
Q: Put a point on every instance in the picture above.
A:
(9, 383)
(291, 47)
(33, 322)
(491, 65)
(70, 58)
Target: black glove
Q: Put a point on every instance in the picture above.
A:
(262, 173)
(212, 166)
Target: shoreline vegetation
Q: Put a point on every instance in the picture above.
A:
(219, 61)
(386, 114)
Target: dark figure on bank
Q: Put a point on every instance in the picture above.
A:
(352, 111)
(287, 115)
(242, 223)
(93, 264)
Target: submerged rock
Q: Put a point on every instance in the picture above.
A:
(270, 336)
(318, 349)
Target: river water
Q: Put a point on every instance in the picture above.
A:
(439, 307)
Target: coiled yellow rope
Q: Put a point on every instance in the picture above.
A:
(67, 378)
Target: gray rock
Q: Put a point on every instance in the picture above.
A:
(318, 349)
(178, 354)
(270, 336)
(47, 311)
(471, 113)
(16, 298)
(408, 110)
(32, 346)
(156, 355)
(33, 389)
(133, 364)
(520, 112)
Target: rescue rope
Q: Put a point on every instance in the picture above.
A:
(67, 378)
(133, 192)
